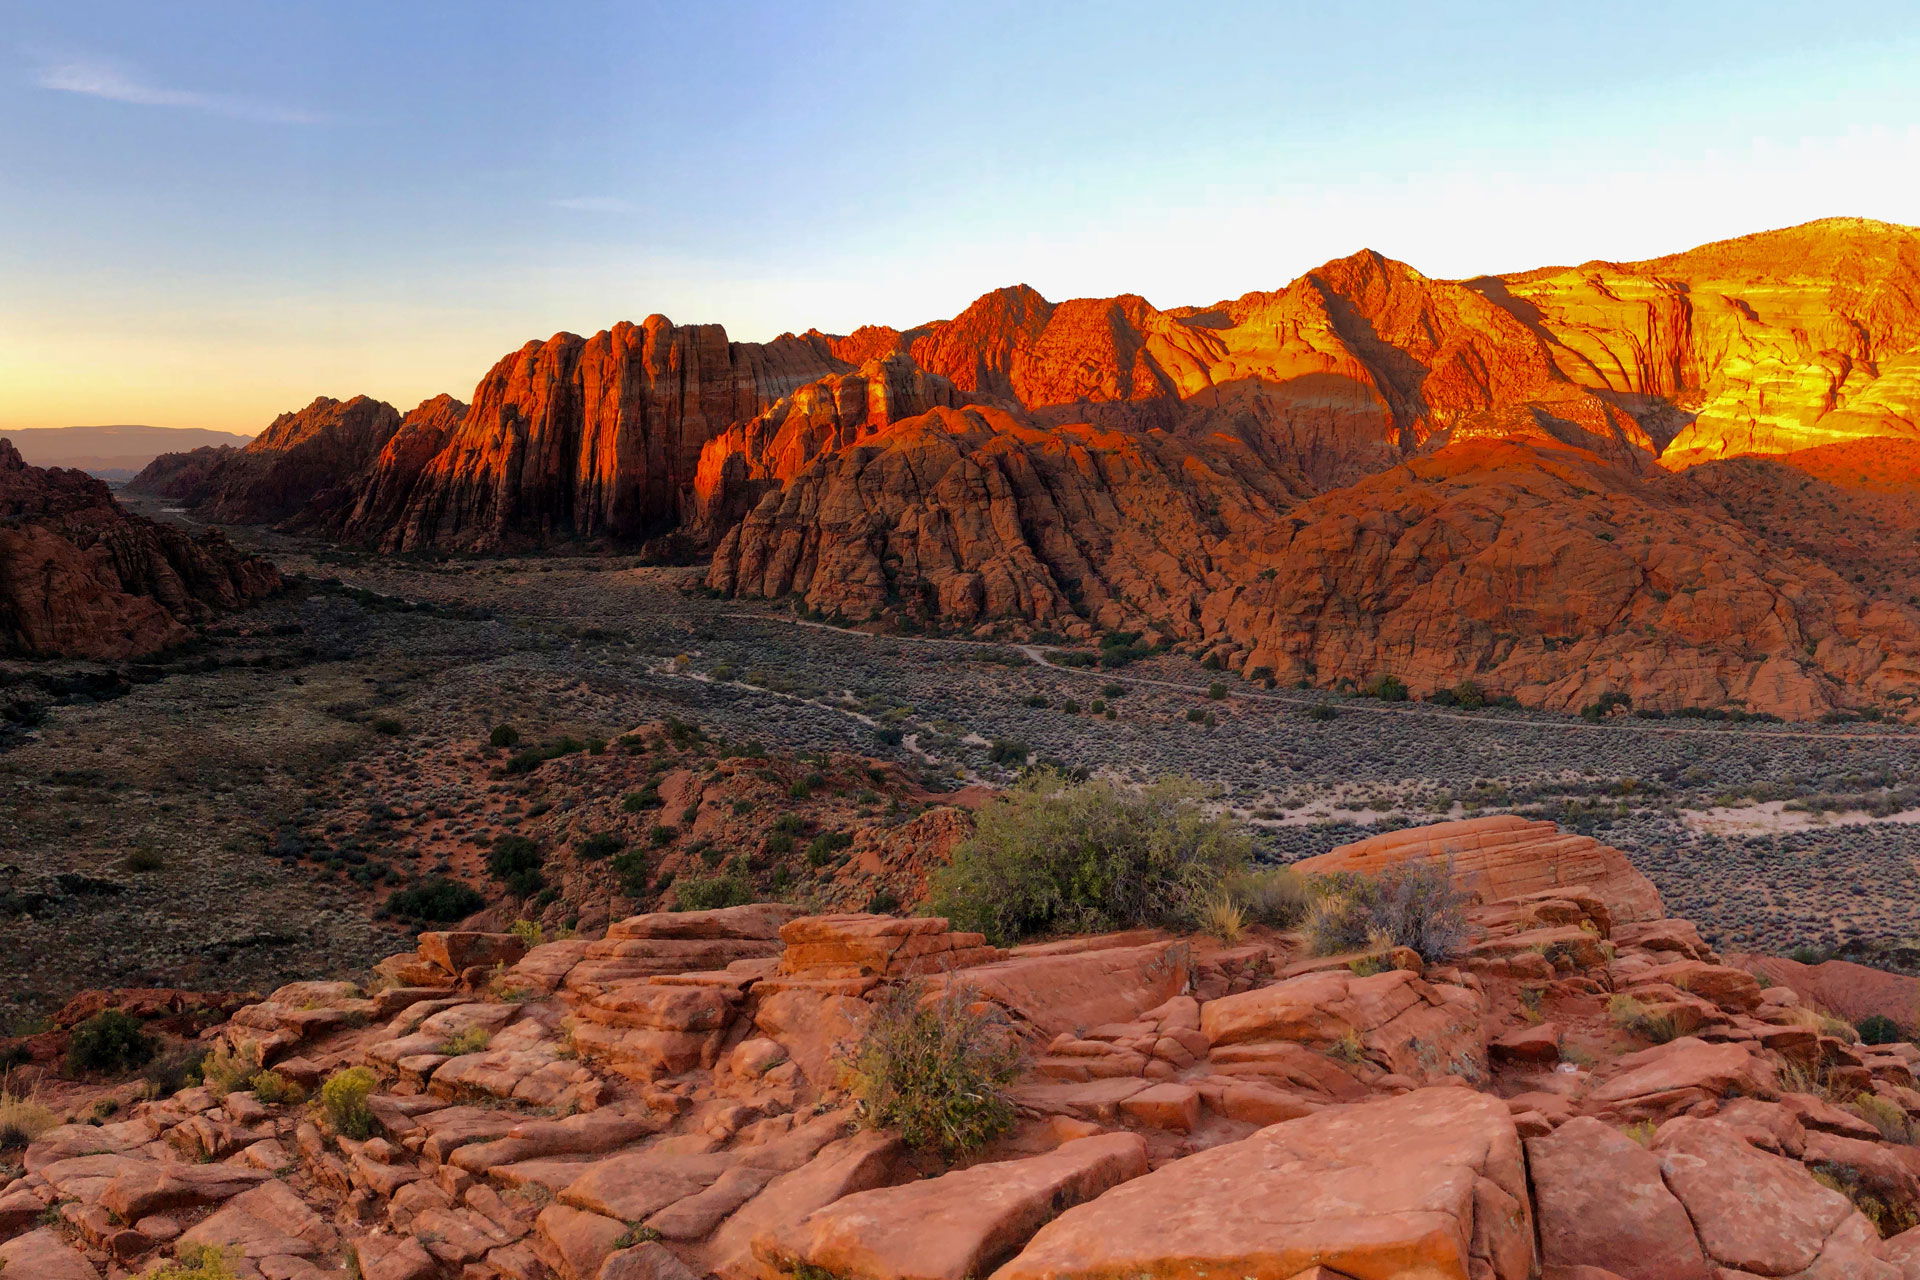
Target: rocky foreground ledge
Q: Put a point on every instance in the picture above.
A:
(663, 1103)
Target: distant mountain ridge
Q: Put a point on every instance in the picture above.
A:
(1509, 479)
(113, 453)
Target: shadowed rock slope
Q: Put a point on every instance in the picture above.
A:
(1586, 1091)
(79, 577)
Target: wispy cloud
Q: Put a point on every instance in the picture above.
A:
(593, 204)
(97, 78)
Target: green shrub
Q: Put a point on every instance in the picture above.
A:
(1057, 855)
(275, 1089)
(634, 873)
(821, 848)
(343, 1102)
(647, 797)
(934, 1069)
(1275, 896)
(599, 846)
(1216, 690)
(437, 900)
(1008, 751)
(711, 893)
(1386, 688)
(1319, 711)
(1412, 905)
(504, 735)
(472, 1040)
(226, 1070)
(389, 726)
(197, 1262)
(515, 862)
(111, 1041)
(1878, 1028)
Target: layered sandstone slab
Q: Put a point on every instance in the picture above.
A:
(1431, 1183)
(1503, 858)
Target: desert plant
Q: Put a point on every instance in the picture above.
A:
(472, 1040)
(1878, 1028)
(711, 893)
(1087, 856)
(599, 846)
(1224, 918)
(343, 1102)
(110, 1041)
(438, 900)
(275, 1089)
(1275, 896)
(515, 862)
(935, 1068)
(1412, 905)
(197, 1262)
(1630, 1013)
(23, 1118)
(226, 1070)
(504, 735)
(1641, 1131)
(1886, 1115)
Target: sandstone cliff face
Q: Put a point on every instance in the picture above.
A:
(1544, 572)
(1766, 344)
(750, 458)
(379, 496)
(965, 515)
(79, 577)
(302, 464)
(593, 438)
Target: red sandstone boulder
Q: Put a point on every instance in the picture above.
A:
(1600, 1202)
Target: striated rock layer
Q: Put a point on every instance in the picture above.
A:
(79, 577)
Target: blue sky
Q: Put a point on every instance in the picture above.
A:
(212, 212)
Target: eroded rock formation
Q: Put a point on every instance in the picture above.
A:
(79, 577)
(1586, 1091)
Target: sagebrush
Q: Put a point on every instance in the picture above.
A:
(935, 1069)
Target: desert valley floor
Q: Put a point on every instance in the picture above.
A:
(157, 833)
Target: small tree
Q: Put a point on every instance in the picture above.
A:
(934, 1068)
(111, 1041)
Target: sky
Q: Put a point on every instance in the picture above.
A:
(211, 212)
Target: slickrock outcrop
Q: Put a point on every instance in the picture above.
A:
(1572, 1096)
(79, 577)
(1505, 858)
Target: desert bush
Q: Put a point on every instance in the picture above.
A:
(1224, 919)
(172, 1070)
(599, 846)
(711, 893)
(1319, 711)
(1630, 1013)
(225, 1070)
(633, 871)
(197, 1262)
(1275, 896)
(343, 1102)
(515, 862)
(1387, 688)
(472, 1040)
(504, 735)
(111, 1041)
(935, 1069)
(274, 1088)
(1878, 1028)
(23, 1119)
(1087, 856)
(1008, 751)
(438, 900)
(1412, 905)
(1884, 1114)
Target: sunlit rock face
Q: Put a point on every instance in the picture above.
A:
(591, 438)
(1763, 344)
